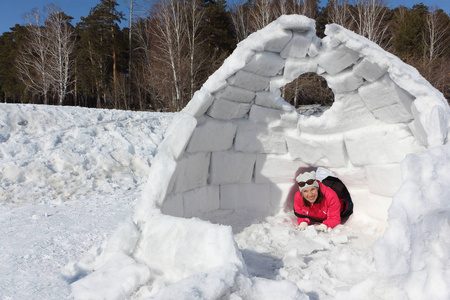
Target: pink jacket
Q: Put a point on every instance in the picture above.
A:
(328, 212)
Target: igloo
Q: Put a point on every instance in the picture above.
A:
(237, 146)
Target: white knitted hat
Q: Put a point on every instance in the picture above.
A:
(306, 176)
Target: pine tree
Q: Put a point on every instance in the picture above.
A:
(100, 43)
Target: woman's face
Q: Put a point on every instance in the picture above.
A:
(310, 193)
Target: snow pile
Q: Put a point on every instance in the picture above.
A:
(37, 162)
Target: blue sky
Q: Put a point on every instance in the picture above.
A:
(12, 11)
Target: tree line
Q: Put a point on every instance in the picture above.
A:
(170, 47)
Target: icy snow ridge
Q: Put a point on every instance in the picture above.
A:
(238, 145)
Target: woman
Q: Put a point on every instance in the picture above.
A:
(315, 202)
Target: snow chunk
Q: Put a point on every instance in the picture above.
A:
(259, 138)
(216, 284)
(296, 67)
(249, 81)
(384, 180)
(192, 171)
(179, 247)
(117, 279)
(266, 64)
(226, 110)
(178, 134)
(296, 23)
(236, 94)
(380, 144)
(199, 103)
(277, 168)
(212, 135)
(328, 150)
(344, 81)
(382, 95)
(231, 167)
(254, 197)
(337, 59)
(368, 70)
(298, 46)
(201, 200)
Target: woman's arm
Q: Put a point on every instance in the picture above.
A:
(334, 208)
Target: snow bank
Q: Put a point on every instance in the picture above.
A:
(49, 150)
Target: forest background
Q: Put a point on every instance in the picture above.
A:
(170, 48)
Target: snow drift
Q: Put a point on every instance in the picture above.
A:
(238, 146)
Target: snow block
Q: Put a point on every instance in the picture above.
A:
(267, 99)
(419, 133)
(296, 67)
(277, 168)
(316, 45)
(348, 112)
(201, 200)
(226, 110)
(337, 59)
(272, 38)
(252, 197)
(344, 81)
(161, 178)
(236, 94)
(255, 138)
(266, 64)
(121, 275)
(199, 103)
(296, 23)
(327, 150)
(351, 176)
(260, 114)
(395, 113)
(173, 205)
(299, 45)
(368, 70)
(380, 144)
(231, 167)
(249, 81)
(179, 247)
(192, 171)
(212, 135)
(384, 180)
(178, 134)
(385, 92)
(281, 194)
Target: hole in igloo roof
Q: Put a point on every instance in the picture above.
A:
(309, 89)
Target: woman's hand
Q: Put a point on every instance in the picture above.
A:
(322, 227)
(302, 226)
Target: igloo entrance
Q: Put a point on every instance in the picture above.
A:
(238, 145)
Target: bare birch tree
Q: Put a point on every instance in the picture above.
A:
(240, 18)
(32, 61)
(61, 37)
(170, 33)
(261, 14)
(339, 13)
(194, 16)
(368, 19)
(436, 35)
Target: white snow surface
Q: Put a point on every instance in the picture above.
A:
(45, 226)
(214, 218)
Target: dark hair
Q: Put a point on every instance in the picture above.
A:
(319, 198)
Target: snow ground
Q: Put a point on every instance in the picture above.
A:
(54, 210)
(68, 177)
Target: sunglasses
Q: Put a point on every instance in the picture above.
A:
(308, 182)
